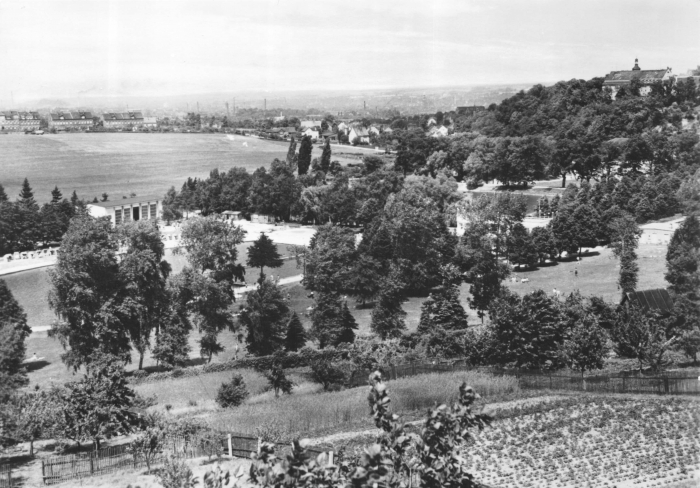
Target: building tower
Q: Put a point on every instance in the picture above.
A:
(636, 65)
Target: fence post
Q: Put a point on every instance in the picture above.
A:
(330, 458)
(258, 445)
(92, 464)
(623, 383)
(230, 446)
(550, 381)
(43, 472)
(666, 388)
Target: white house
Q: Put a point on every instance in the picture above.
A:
(313, 132)
(441, 131)
(360, 133)
(374, 130)
(262, 218)
(128, 209)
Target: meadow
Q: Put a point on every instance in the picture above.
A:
(122, 163)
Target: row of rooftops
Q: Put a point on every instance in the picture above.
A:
(80, 115)
(15, 115)
(617, 78)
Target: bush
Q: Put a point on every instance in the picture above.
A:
(233, 393)
(330, 375)
(176, 474)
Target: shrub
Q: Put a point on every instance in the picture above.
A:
(176, 474)
(233, 393)
(329, 374)
(177, 373)
(279, 381)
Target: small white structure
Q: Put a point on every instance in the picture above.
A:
(128, 209)
(359, 133)
(230, 215)
(262, 218)
(313, 132)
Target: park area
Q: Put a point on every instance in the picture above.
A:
(123, 163)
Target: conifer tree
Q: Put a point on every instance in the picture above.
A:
(305, 150)
(388, 315)
(442, 308)
(348, 327)
(683, 258)
(326, 157)
(13, 332)
(291, 152)
(264, 253)
(296, 334)
(3, 195)
(26, 196)
(74, 198)
(56, 195)
(327, 319)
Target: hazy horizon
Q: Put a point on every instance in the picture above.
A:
(53, 49)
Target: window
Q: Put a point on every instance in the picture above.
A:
(127, 214)
(144, 212)
(154, 209)
(117, 216)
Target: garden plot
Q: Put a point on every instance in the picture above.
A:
(603, 443)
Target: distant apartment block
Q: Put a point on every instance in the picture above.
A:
(14, 121)
(71, 120)
(128, 209)
(127, 120)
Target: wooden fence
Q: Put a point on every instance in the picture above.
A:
(57, 469)
(662, 385)
(5, 476)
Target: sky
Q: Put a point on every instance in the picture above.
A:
(54, 48)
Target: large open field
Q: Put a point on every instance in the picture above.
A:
(121, 163)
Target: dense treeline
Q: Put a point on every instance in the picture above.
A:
(23, 223)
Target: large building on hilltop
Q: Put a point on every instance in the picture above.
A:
(128, 209)
(12, 120)
(619, 79)
(71, 120)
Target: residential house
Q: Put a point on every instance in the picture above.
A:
(231, 216)
(622, 79)
(330, 136)
(374, 130)
(360, 133)
(313, 132)
(441, 131)
(262, 218)
(71, 120)
(13, 120)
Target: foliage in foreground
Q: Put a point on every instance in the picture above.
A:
(433, 456)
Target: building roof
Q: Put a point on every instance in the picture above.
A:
(310, 123)
(361, 131)
(126, 201)
(76, 115)
(627, 76)
(123, 116)
(657, 299)
(231, 212)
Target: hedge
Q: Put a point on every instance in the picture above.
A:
(289, 360)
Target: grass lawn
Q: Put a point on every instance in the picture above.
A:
(121, 163)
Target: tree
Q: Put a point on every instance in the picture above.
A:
(586, 347)
(13, 334)
(85, 285)
(144, 298)
(388, 315)
(172, 346)
(97, 406)
(171, 206)
(364, 281)
(530, 330)
(232, 393)
(305, 149)
(265, 317)
(3, 195)
(683, 258)
(278, 380)
(327, 322)
(348, 327)
(328, 374)
(520, 248)
(330, 261)
(296, 334)
(642, 335)
(263, 253)
(211, 248)
(442, 309)
(543, 242)
(326, 157)
(291, 154)
(26, 196)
